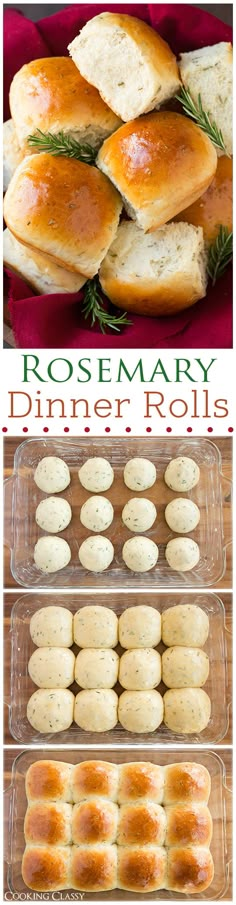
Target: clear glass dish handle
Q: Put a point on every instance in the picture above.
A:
(8, 802)
(7, 659)
(228, 816)
(227, 492)
(8, 503)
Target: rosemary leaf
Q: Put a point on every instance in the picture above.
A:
(196, 112)
(62, 145)
(220, 254)
(93, 307)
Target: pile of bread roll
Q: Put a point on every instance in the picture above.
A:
(114, 92)
(96, 553)
(98, 826)
(185, 708)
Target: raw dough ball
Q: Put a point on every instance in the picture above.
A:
(52, 475)
(140, 669)
(52, 667)
(186, 710)
(52, 626)
(182, 474)
(97, 513)
(96, 711)
(51, 554)
(140, 626)
(96, 668)
(53, 514)
(96, 553)
(140, 711)
(139, 474)
(139, 514)
(95, 626)
(182, 515)
(184, 666)
(51, 710)
(182, 554)
(185, 624)
(140, 554)
(96, 475)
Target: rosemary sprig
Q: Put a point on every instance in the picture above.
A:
(220, 254)
(196, 112)
(93, 307)
(62, 145)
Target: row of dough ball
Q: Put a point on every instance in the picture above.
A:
(183, 711)
(54, 514)
(96, 553)
(140, 626)
(136, 670)
(96, 475)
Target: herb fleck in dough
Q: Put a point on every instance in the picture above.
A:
(140, 554)
(52, 667)
(96, 553)
(51, 554)
(52, 626)
(140, 711)
(97, 513)
(52, 475)
(184, 667)
(96, 710)
(139, 514)
(186, 710)
(140, 669)
(51, 710)
(182, 474)
(53, 514)
(182, 554)
(186, 625)
(95, 626)
(96, 475)
(182, 515)
(96, 668)
(139, 626)
(139, 474)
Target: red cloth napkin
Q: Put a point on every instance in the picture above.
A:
(55, 321)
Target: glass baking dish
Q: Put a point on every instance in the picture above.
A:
(22, 497)
(22, 687)
(219, 804)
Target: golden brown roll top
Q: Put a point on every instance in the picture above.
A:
(95, 778)
(215, 206)
(51, 95)
(94, 868)
(186, 782)
(46, 868)
(144, 824)
(188, 825)
(48, 822)
(189, 870)
(141, 869)
(49, 780)
(140, 781)
(94, 821)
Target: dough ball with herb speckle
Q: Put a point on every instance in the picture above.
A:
(51, 554)
(139, 514)
(184, 667)
(96, 553)
(139, 626)
(186, 710)
(182, 474)
(53, 514)
(140, 669)
(95, 626)
(51, 710)
(96, 668)
(52, 474)
(52, 626)
(185, 624)
(97, 513)
(52, 667)
(140, 554)
(140, 711)
(139, 474)
(182, 554)
(96, 710)
(96, 474)
(182, 515)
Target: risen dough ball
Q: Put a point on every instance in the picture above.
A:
(140, 626)
(96, 475)
(95, 626)
(140, 669)
(52, 475)
(53, 514)
(51, 554)
(185, 624)
(182, 515)
(52, 626)
(139, 474)
(184, 666)
(97, 513)
(139, 514)
(96, 711)
(182, 474)
(182, 554)
(186, 710)
(96, 668)
(140, 711)
(51, 710)
(140, 554)
(52, 667)
(96, 553)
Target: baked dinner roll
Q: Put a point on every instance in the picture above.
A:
(159, 163)
(184, 666)
(188, 825)
(49, 823)
(182, 515)
(185, 624)
(141, 869)
(139, 626)
(155, 275)
(140, 781)
(142, 824)
(94, 779)
(94, 868)
(130, 64)
(12, 153)
(140, 711)
(36, 269)
(186, 783)
(97, 514)
(53, 514)
(140, 669)
(96, 710)
(96, 474)
(52, 667)
(186, 710)
(96, 553)
(139, 514)
(51, 95)
(52, 626)
(182, 474)
(140, 554)
(95, 626)
(51, 554)
(182, 554)
(49, 780)
(209, 72)
(64, 208)
(94, 821)
(139, 473)
(51, 710)
(45, 869)
(52, 474)
(215, 206)
(189, 870)
(95, 668)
